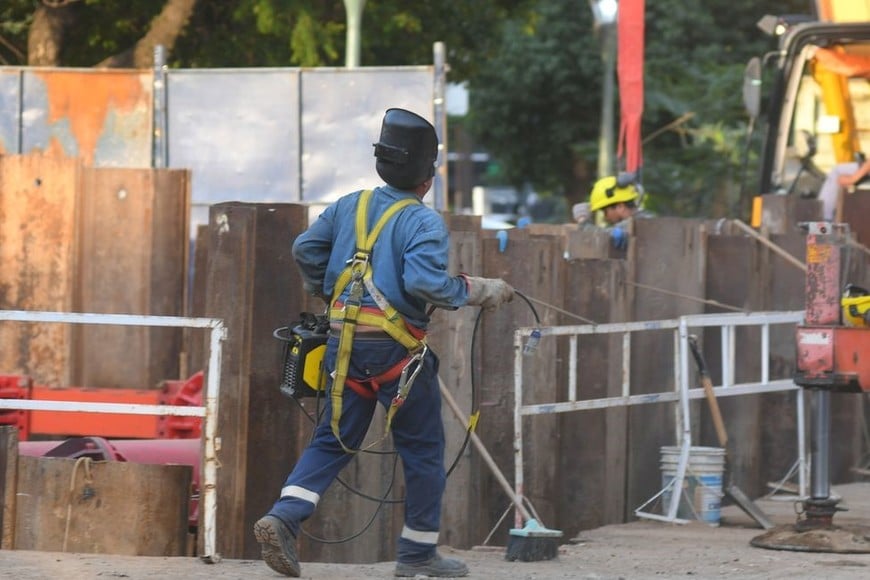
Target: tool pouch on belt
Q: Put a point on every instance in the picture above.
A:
(304, 341)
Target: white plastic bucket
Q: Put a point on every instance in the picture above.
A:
(702, 486)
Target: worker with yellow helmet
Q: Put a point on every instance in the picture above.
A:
(617, 197)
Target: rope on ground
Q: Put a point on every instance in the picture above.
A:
(86, 461)
(709, 301)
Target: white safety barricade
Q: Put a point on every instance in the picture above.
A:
(208, 412)
(681, 394)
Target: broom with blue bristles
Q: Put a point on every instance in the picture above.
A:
(531, 543)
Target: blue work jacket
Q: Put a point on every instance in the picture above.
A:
(409, 258)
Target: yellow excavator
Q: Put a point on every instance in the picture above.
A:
(818, 104)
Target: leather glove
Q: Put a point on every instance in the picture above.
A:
(619, 238)
(488, 292)
(581, 213)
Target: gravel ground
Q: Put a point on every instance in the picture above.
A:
(640, 549)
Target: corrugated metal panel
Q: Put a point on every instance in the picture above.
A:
(237, 130)
(342, 112)
(102, 116)
(10, 110)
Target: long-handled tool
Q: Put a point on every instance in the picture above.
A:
(531, 543)
(731, 490)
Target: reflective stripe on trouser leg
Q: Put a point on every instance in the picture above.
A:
(418, 434)
(420, 537)
(301, 493)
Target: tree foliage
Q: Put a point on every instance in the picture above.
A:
(695, 58)
(247, 33)
(536, 105)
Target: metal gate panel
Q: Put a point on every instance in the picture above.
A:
(342, 112)
(10, 111)
(251, 135)
(237, 130)
(102, 116)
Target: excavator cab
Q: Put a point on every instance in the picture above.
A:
(809, 177)
(817, 113)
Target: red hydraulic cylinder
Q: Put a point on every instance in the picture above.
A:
(830, 356)
(823, 276)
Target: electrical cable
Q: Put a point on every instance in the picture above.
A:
(315, 420)
(475, 406)
(381, 502)
(384, 500)
(474, 403)
(531, 306)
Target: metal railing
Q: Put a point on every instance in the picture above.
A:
(208, 412)
(681, 393)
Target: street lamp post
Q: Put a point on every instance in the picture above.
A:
(354, 10)
(604, 13)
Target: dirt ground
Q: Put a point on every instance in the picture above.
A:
(640, 549)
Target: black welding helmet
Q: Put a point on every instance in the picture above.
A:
(407, 149)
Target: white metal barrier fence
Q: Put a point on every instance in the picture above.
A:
(208, 412)
(681, 394)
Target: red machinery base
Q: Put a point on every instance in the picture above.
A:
(834, 358)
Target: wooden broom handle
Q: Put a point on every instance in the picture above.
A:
(714, 411)
(718, 423)
(487, 458)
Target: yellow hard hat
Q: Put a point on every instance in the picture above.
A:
(607, 191)
(856, 306)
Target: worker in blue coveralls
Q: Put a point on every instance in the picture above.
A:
(380, 283)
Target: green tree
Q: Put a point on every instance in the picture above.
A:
(313, 33)
(536, 104)
(244, 33)
(91, 32)
(693, 111)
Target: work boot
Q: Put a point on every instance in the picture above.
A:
(435, 566)
(278, 544)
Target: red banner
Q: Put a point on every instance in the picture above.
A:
(630, 38)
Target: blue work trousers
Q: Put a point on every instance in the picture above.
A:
(418, 436)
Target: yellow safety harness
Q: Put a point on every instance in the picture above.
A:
(350, 313)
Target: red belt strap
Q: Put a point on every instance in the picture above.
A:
(368, 388)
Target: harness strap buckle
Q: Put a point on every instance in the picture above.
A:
(406, 381)
(360, 258)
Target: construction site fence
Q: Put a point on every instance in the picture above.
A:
(207, 412)
(246, 134)
(680, 393)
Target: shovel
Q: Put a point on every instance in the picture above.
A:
(731, 490)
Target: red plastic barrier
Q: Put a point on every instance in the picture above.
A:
(16, 387)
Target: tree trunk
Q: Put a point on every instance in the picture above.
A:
(46, 34)
(165, 29)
